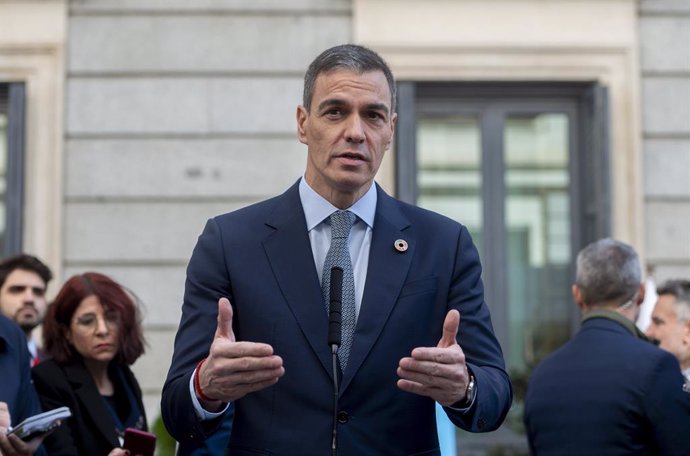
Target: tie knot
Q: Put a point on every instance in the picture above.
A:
(341, 222)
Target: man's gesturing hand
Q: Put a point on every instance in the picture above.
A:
(233, 368)
(438, 372)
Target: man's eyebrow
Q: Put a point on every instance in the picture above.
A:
(18, 287)
(328, 102)
(377, 107)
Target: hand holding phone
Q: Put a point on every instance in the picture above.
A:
(41, 424)
(139, 443)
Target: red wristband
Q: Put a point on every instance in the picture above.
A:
(197, 384)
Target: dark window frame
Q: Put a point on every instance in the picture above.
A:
(13, 104)
(586, 105)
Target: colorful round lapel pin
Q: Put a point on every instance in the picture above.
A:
(400, 245)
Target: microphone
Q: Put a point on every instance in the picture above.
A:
(335, 308)
(334, 338)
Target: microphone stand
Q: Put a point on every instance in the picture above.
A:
(334, 339)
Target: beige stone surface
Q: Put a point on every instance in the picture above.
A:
(672, 271)
(666, 102)
(665, 43)
(667, 168)
(193, 44)
(176, 106)
(183, 168)
(127, 233)
(668, 236)
(217, 6)
(664, 6)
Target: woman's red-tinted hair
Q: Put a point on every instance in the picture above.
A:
(112, 296)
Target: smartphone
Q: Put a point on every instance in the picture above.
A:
(139, 443)
(40, 424)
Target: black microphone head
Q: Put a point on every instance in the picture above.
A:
(336, 291)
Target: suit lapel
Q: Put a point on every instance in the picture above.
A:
(290, 255)
(86, 392)
(385, 276)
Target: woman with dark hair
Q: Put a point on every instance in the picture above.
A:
(92, 332)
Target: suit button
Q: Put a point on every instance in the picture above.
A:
(343, 417)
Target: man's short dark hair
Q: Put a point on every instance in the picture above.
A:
(679, 289)
(26, 263)
(608, 270)
(351, 57)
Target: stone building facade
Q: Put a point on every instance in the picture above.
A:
(146, 117)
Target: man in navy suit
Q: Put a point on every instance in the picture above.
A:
(18, 400)
(608, 391)
(423, 333)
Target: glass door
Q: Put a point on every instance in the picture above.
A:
(507, 168)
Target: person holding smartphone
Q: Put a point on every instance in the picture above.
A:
(18, 399)
(93, 333)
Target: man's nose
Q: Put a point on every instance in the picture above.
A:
(355, 130)
(29, 295)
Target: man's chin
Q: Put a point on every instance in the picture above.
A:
(28, 324)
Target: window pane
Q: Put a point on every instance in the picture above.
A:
(538, 229)
(449, 169)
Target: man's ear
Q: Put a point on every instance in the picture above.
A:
(577, 296)
(394, 121)
(686, 333)
(640, 295)
(302, 116)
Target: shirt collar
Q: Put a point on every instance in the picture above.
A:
(617, 317)
(317, 208)
(33, 348)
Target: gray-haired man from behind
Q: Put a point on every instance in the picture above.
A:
(608, 390)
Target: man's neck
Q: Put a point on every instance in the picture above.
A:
(685, 364)
(627, 311)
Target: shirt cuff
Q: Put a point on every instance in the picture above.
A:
(201, 413)
(466, 407)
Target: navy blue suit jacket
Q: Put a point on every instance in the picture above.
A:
(260, 257)
(607, 392)
(16, 388)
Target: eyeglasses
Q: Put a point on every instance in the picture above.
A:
(89, 321)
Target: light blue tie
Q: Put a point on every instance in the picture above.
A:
(339, 255)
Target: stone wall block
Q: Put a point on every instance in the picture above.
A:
(185, 168)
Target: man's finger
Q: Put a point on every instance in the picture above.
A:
(224, 329)
(450, 329)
